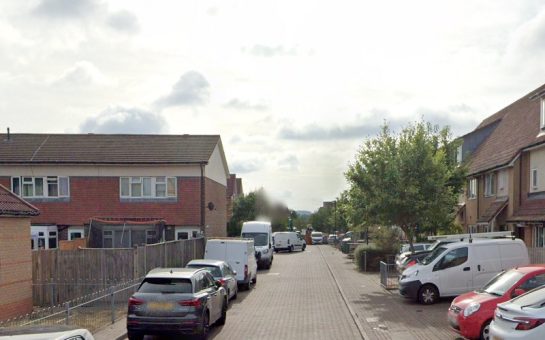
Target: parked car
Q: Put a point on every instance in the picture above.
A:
(332, 239)
(317, 237)
(470, 314)
(57, 332)
(221, 271)
(239, 254)
(261, 233)
(457, 267)
(289, 241)
(520, 318)
(416, 247)
(407, 259)
(176, 301)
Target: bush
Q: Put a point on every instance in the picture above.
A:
(387, 240)
(374, 256)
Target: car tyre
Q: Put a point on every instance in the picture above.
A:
(291, 249)
(205, 327)
(428, 294)
(254, 280)
(236, 294)
(485, 331)
(221, 320)
(304, 246)
(135, 336)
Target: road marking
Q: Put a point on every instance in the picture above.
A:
(274, 274)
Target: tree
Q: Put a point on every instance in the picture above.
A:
(409, 180)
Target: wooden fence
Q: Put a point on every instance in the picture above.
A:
(63, 275)
(537, 255)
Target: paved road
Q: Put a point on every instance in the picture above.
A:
(318, 294)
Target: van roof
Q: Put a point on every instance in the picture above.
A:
(482, 241)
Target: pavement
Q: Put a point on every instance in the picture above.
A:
(319, 294)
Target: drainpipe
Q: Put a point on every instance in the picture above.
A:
(202, 200)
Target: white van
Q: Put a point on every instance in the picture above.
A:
(459, 267)
(261, 233)
(239, 254)
(288, 240)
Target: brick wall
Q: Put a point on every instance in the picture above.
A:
(216, 219)
(15, 267)
(99, 197)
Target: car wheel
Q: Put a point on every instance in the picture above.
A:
(428, 295)
(221, 320)
(236, 293)
(135, 336)
(291, 249)
(254, 280)
(205, 327)
(485, 331)
(304, 246)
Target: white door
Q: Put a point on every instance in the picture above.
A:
(455, 273)
(486, 263)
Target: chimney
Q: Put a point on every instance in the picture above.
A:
(8, 137)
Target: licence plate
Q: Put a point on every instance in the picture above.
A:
(160, 306)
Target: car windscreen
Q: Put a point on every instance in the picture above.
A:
(499, 284)
(215, 271)
(260, 239)
(433, 255)
(317, 235)
(166, 286)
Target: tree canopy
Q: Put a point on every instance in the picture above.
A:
(410, 180)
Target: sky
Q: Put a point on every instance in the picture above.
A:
(293, 88)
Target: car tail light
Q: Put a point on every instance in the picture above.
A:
(135, 302)
(190, 303)
(525, 324)
(412, 263)
(245, 271)
(222, 281)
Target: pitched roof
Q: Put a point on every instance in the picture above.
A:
(493, 210)
(12, 205)
(106, 149)
(518, 128)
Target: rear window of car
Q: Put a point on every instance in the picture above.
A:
(166, 286)
(215, 271)
(317, 234)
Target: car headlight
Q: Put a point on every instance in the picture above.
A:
(408, 276)
(266, 251)
(471, 309)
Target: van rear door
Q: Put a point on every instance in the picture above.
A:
(513, 254)
(236, 256)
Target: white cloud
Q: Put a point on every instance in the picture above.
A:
(83, 73)
(124, 21)
(125, 120)
(191, 89)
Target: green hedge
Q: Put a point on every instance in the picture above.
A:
(374, 256)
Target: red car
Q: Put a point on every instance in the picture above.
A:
(470, 313)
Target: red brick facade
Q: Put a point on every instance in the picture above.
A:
(99, 197)
(15, 267)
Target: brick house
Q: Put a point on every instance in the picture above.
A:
(118, 190)
(505, 155)
(234, 191)
(15, 255)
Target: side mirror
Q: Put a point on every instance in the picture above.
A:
(234, 272)
(270, 246)
(518, 291)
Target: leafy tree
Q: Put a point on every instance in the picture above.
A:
(409, 180)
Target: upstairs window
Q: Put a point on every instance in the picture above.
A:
(459, 154)
(33, 187)
(489, 184)
(533, 180)
(147, 187)
(542, 114)
(472, 188)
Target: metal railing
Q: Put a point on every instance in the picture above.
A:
(388, 275)
(92, 312)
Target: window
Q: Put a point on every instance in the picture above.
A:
(533, 282)
(453, 258)
(31, 187)
(44, 237)
(182, 235)
(489, 185)
(75, 233)
(534, 179)
(542, 115)
(538, 237)
(108, 239)
(151, 236)
(472, 188)
(147, 187)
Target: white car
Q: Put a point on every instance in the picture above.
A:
(520, 318)
(221, 271)
(317, 237)
(58, 332)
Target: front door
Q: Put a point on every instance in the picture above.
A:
(455, 273)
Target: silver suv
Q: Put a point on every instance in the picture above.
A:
(176, 301)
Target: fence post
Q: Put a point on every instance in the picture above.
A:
(112, 304)
(67, 305)
(365, 261)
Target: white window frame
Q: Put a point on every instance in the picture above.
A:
(74, 231)
(44, 233)
(189, 230)
(542, 114)
(534, 180)
(31, 180)
(538, 236)
(489, 184)
(154, 181)
(472, 188)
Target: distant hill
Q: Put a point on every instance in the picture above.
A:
(303, 213)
